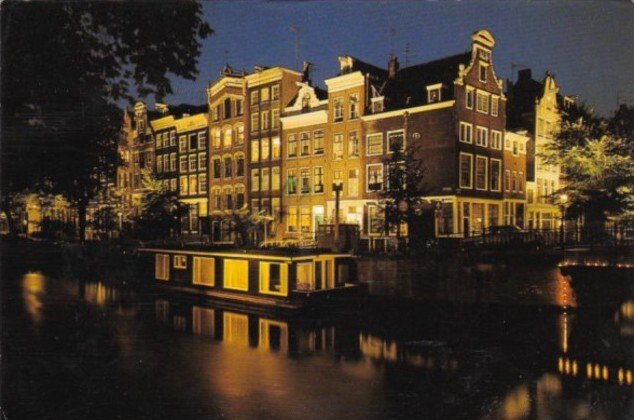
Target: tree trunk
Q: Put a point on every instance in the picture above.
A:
(81, 212)
(11, 223)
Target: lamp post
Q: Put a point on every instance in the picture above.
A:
(337, 188)
(563, 200)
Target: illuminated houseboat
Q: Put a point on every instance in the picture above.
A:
(285, 280)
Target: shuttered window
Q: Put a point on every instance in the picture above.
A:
(162, 267)
(203, 271)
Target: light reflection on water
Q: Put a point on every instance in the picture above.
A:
(249, 365)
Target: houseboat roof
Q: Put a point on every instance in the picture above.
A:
(279, 253)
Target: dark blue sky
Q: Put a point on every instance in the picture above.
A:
(588, 45)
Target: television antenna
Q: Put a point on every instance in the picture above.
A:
(297, 31)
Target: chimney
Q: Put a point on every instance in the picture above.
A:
(392, 66)
(306, 72)
(524, 74)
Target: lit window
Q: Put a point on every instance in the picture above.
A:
(354, 106)
(274, 278)
(337, 146)
(202, 183)
(202, 161)
(374, 144)
(180, 261)
(215, 138)
(193, 184)
(338, 109)
(255, 122)
(275, 178)
(482, 102)
(173, 162)
(375, 177)
(318, 142)
(275, 148)
(264, 179)
(304, 143)
(192, 163)
(228, 137)
(182, 143)
(236, 277)
(275, 117)
(291, 223)
(304, 219)
(292, 146)
(353, 182)
(240, 136)
(275, 92)
(305, 180)
(255, 97)
(255, 180)
(255, 150)
(318, 179)
(291, 182)
(184, 185)
(466, 132)
(183, 163)
(266, 149)
(353, 144)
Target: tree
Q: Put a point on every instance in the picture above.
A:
(596, 158)
(63, 78)
(403, 187)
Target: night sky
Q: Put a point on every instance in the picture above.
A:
(588, 45)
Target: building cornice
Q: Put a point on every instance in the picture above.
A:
(268, 76)
(304, 120)
(346, 81)
(413, 110)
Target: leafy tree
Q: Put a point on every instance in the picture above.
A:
(596, 157)
(403, 187)
(63, 78)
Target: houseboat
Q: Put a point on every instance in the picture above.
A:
(278, 279)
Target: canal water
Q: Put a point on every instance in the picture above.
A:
(444, 341)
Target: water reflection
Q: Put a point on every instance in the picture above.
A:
(33, 289)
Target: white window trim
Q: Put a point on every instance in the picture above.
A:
(436, 86)
(482, 64)
(367, 148)
(491, 139)
(387, 139)
(486, 130)
(500, 180)
(469, 89)
(367, 173)
(486, 173)
(470, 126)
(487, 94)
(470, 155)
(497, 109)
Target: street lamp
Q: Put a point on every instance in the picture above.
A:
(337, 187)
(563, 200)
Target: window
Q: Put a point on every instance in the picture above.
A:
(240, 165)
(264, 94)
(318, 179)
(215, 113)
(236, 275)
(202, 183)
(353, 182)
(184, 185)
(227, 108)
(265, 120)
(466, 132)
(377, 105)
(266, 149)
(338, 110)
(514, 181)
(396, 141)
(273, 278)
(483, 72)
(159, 141)
(255, 180)
(180, 261)
(375, 177)
(203, 271)
(240, 136)
(239, 107)
(318, 142)
(255, 150)
(496, 171)
(276, 148)
(433, 95)
(193, 184)
(264, 179)
(353, 105)
(275, 117)
(469, 97)
(182, 144)
(228, 164)
(161, 267)
(228, 137)
(275, 178)
(374, 144)
(216, 168)
(159, 163)
(495, 104)
(173, 186)
(353, 144)
(255, 122)
(166, 163)
(337, 146)
(193, 142)
(192, 163)
(291, 221)
(507, 180)
(305, 180)
(227, 198)
(292, 146)
(275, 92)
(304, 143)
(172, 138)
(173, 162)
(202, 140)
(215, 138)
(202, 161)
(520, 182)
(255, 97)
(496, 140)
(482, 102)
(306, 101)
(481, 173)
(304, 219)
(466, 162)
(291, 182)
(482, 136)
(337, 179)
(239, 197)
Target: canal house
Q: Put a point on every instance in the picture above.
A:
(289, 279)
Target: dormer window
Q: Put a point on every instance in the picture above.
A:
(434, 93)
(377, 105)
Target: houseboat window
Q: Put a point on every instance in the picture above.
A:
(203, 321)
(204, 271)
(343, 273)
(305, 279)
(180, 261)
(236, 274)
(274, 278)
(161, 267)
(235, 328)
